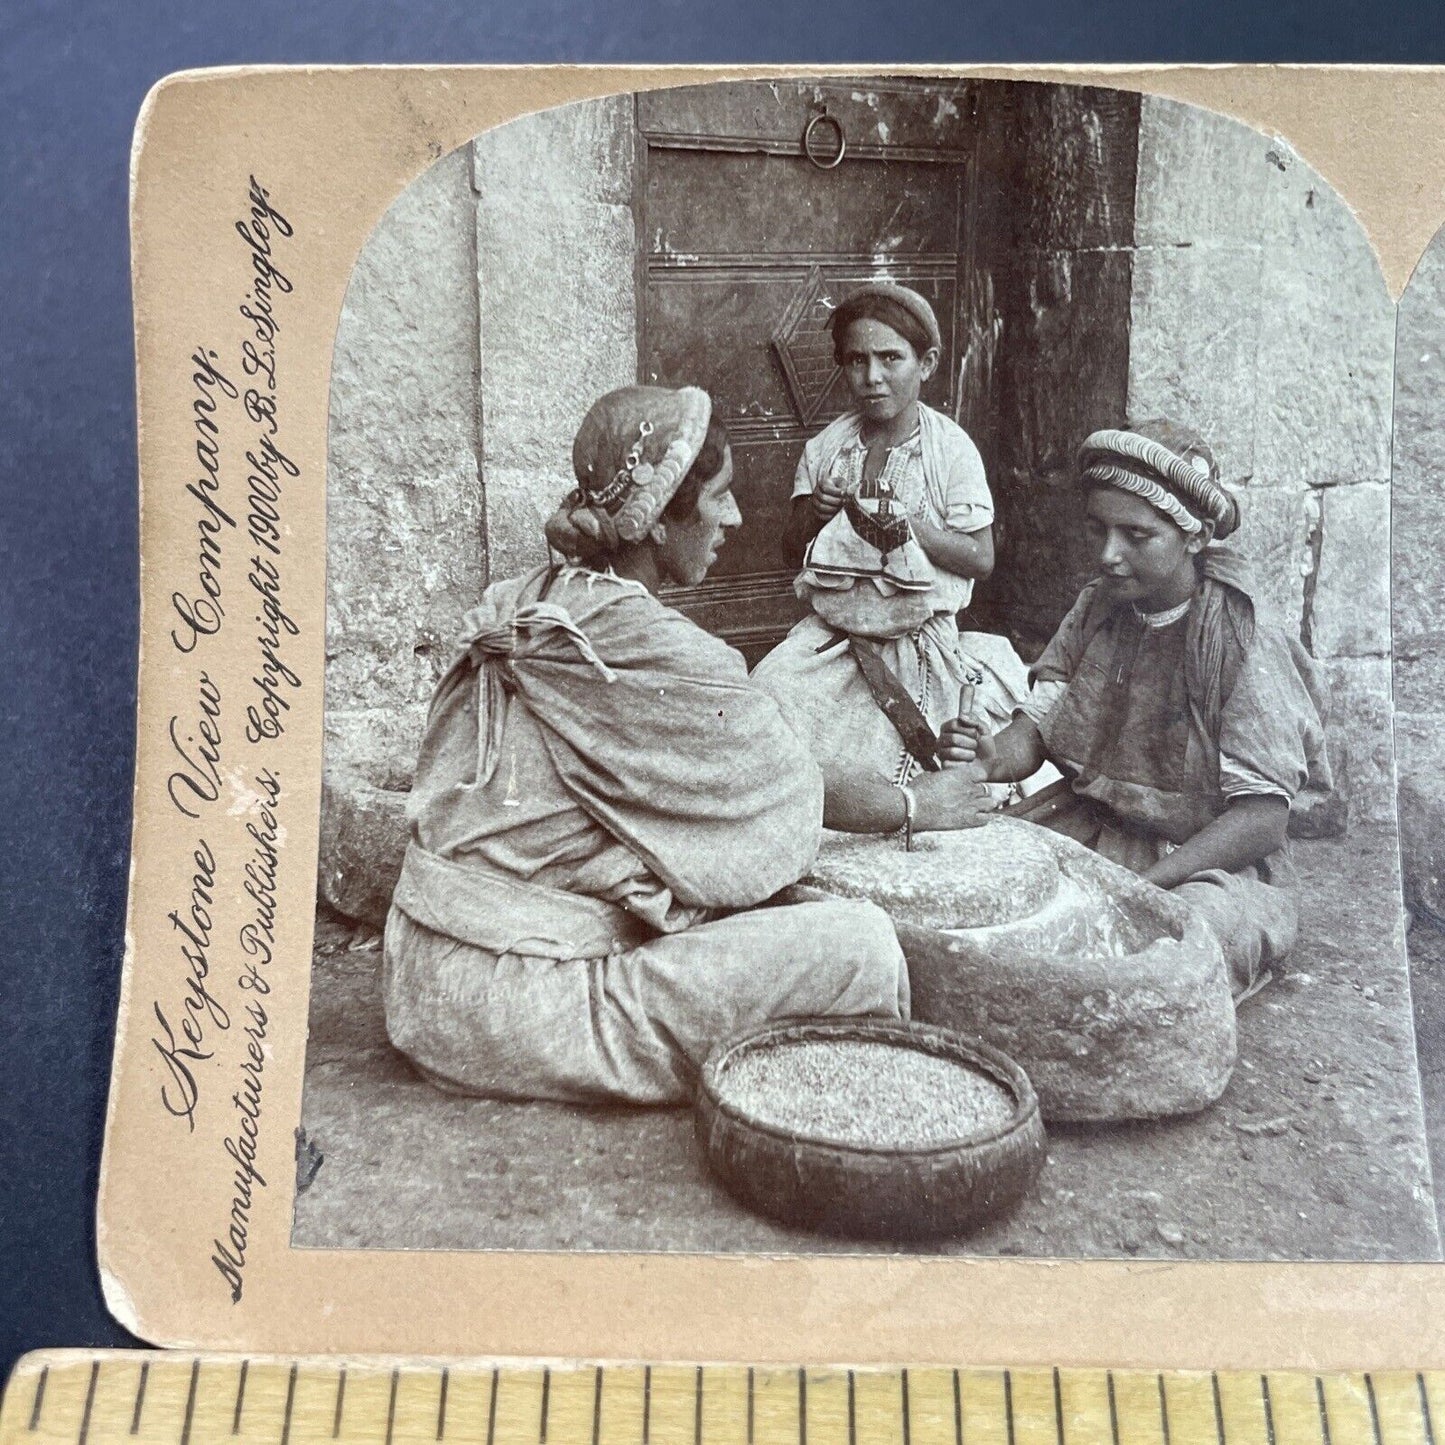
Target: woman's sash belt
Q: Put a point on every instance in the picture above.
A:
(481, 905)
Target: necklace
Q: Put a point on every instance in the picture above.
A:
(1162, 619)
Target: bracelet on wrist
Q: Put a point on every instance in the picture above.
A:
(910, 810)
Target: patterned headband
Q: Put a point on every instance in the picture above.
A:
(1179, 487)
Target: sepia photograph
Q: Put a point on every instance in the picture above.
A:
(860, 691)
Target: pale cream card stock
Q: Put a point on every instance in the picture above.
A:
(258, 199)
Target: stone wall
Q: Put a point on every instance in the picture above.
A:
(1054, 223)
(455, 396)
(556, 252)
(1260, 316)
(406, 554)
(491, 305)
(1418, 545)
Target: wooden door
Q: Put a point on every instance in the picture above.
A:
(746, 244)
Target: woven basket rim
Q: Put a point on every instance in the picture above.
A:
(959, 1048)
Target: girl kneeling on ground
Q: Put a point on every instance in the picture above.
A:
(1184, 725)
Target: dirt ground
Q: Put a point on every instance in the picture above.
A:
(1317, 1150)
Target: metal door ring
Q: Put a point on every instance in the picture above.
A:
(819, 119)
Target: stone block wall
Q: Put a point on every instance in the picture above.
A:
(1418, 551)
(556, 248)
(492, 304)
(406, 554)
(1260, 316)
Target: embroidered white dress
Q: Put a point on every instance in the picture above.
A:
(900, 599)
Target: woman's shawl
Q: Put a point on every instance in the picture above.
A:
(653, 728)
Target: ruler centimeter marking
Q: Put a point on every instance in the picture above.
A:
(190, 1402)
(1374, 1409)
(89, 1403)
(140, 1396)
(104, 1398)
(290, 1403)
(39, 1398)
(240, 1397)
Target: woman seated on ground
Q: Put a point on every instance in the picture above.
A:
(602, 799)
(891, 523)
(1184, 724)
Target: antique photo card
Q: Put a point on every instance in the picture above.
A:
(769, 701)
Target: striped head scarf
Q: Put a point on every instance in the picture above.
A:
(1167, 466)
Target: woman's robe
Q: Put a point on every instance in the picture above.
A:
(602, 798)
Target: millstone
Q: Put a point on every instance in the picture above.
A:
(1110, 993)
(949, 880)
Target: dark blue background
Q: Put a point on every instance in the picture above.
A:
(72, 77)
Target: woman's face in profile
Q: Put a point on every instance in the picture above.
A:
(690, 546)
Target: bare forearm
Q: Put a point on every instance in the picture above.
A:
(1249, 829)
(804, 524)
(966, 554)
(951, 798)
(862, 805)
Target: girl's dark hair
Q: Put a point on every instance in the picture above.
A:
(705, 467)
(877, 308)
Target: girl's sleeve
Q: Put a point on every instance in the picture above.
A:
(968, 503)
(805, 479)
(1051, 675)
(1271, 736)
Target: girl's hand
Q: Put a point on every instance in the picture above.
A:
(828, 496)
(967, 740)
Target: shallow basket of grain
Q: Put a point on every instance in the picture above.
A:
(869, 1128)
